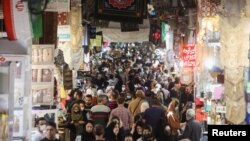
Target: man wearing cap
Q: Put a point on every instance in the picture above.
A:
(193, 129)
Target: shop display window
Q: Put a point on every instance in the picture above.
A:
(42, 74)
(42, 54)
(42, 95)
(14, 98)
(49, 115)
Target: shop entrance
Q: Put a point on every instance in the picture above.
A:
(13, 100)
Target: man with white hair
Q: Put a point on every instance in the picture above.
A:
(193, 127)
(100, 92)
(89, 92)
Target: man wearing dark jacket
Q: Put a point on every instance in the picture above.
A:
(192, 130)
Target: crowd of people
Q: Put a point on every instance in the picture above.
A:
(133, 98)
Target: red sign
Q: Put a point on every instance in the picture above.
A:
(188, 55)
(121, 3)
(2, 59)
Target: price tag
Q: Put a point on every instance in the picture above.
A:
(221, 109)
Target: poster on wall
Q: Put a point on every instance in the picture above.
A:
(42, 74)
(18, 123)
(42, 94)
(42, 54)
(49, 115)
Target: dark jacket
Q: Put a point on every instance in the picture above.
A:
(88, 136)
(192, 130)
(45, 139)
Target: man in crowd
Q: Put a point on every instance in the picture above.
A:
(100, 112)
(123, 113)
(99, 132)
(153, 114)
(193, 127)
(41, 126)
(88, 105)
(50, 132)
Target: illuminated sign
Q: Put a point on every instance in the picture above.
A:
(188, 55)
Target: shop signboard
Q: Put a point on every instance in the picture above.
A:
(189, 55)
(63, 32)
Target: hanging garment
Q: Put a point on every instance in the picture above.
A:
(76, 28)
(232, 10)
(234, 83)
(77, 59)
(235, 110)
(234, 94)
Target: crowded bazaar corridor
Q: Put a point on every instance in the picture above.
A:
(124, 70)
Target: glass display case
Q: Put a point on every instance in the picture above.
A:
(15, 105)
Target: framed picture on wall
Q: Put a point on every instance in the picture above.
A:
(42, 54)
(42, 94)
(42, 74)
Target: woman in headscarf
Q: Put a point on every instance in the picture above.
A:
(114, 132)
(136, 130)
(134, 106)
(88, 134)
(75, 121)
(172, 118)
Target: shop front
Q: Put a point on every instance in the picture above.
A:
(14, 91)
